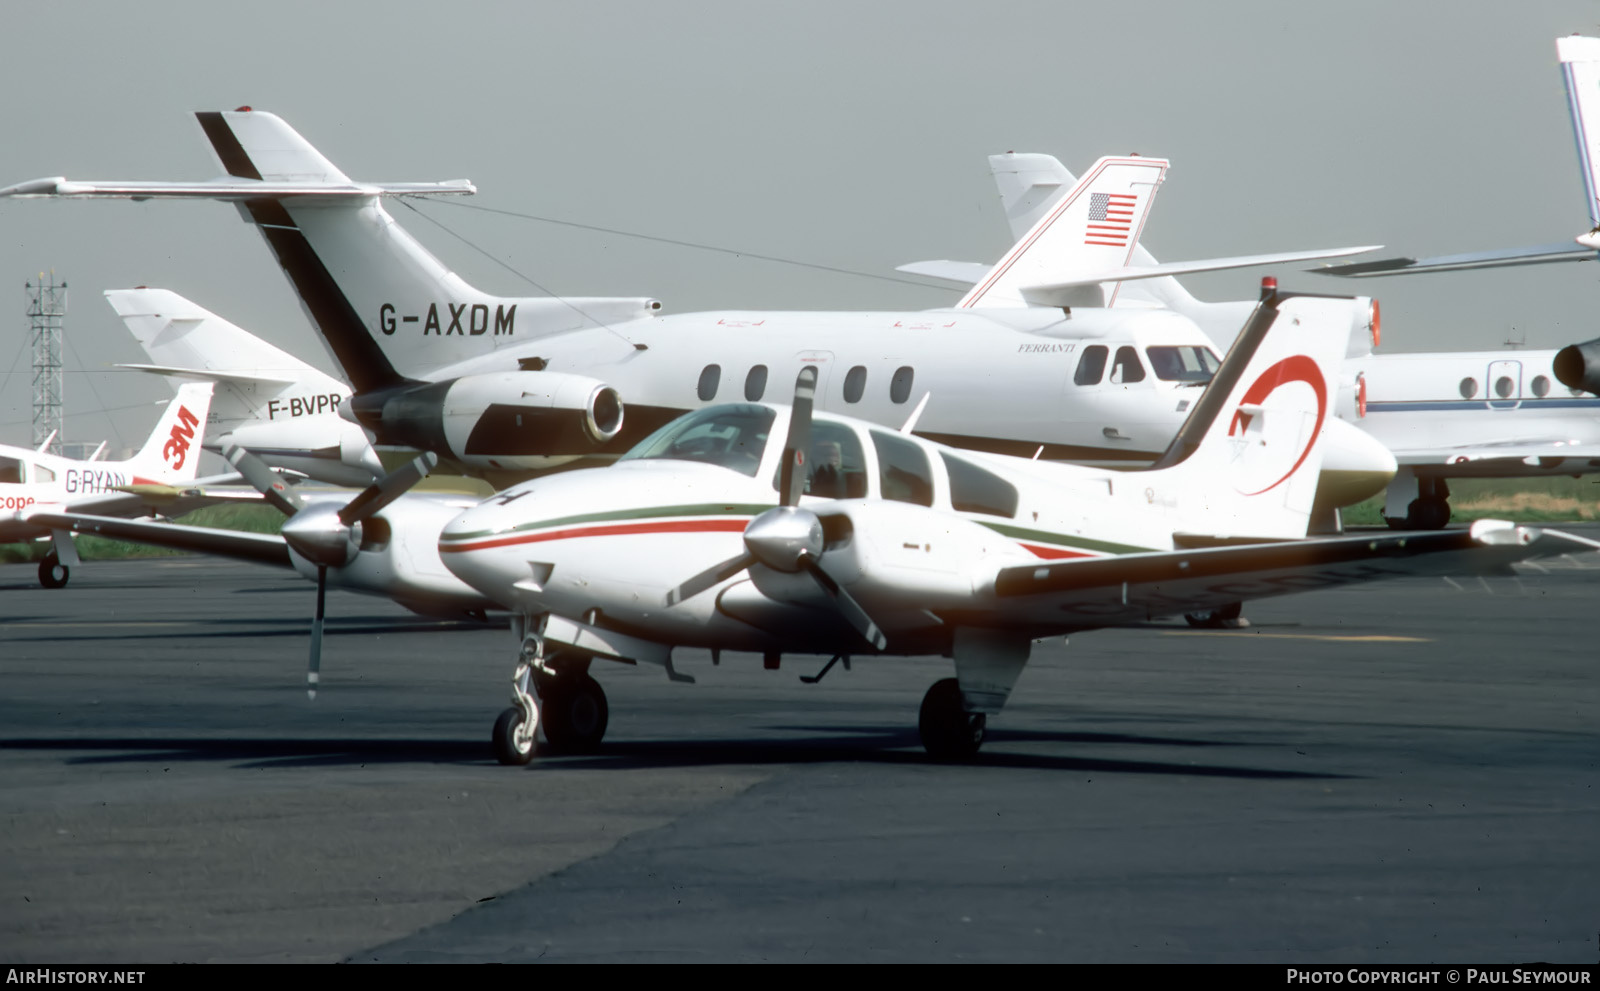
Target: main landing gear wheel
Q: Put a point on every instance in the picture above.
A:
(511, 744)
(1427, 514)
(948, 730)
(1215, 619)
(574, 713)
(52, 573)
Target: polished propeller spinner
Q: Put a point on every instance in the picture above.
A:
(326, 536)
(787, 537)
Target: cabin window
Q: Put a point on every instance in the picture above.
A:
(728, 436)
(1127, 368)
(900, 385)
(1092, 365)
(709, 380)
(903, 471)
(974, 490)
(1541, 386)
(838, 463)
(43, 474)
(1504, 387)
(855, 384)
(10, 471)
(1469, 387)
(1182, 364)
(755, 384)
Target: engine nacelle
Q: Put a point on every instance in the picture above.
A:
(506, 420)
(1577, 366)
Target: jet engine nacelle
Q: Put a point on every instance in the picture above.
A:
(507, 420)
(1577, 366)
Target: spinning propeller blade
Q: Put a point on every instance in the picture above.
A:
(797, 446)
(379, 494)
(712, 576)
(264, 480)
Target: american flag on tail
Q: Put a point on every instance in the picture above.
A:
(1110, 219)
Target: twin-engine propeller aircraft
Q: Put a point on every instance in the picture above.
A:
(502, 386)
(382, 541)
(159, 479)
(761, 528)
(1464, 414)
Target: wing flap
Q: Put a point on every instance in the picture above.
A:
(1133, 587)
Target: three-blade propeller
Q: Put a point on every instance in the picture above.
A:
(788, 538)
(326, 536)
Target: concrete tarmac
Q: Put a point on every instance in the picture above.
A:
(1404, 772)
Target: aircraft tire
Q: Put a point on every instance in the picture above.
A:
(1427, 514)
(949, 731)
(510, 748)
(574, 714)
(52, 573)
(1215, 619)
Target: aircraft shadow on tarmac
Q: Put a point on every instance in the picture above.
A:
(229, 627)
(880, 745)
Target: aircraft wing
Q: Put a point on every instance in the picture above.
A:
(259, 548)
(1518, 454)
(1539, 254)
(1089, 593)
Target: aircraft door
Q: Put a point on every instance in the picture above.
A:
(783, 392)
(1503, 384)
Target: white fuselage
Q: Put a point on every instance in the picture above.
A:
(1448, 414)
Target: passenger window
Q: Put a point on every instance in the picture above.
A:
(903, 472)
(43, 474)
(1182, 364)
(1127, 367)
(709, 380)
(1092, 365)
(10, 471)
(755, 384)
(900, 385)
(1504, 387)
(855, 384)
(1469, 387)
(1541, 386)
(974, 490)
(838, 464)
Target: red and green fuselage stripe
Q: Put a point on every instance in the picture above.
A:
(724, 518)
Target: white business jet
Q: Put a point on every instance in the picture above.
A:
(760, 528)
(1465, 414)
(501, 386)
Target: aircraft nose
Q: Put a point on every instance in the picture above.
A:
(1355, 466)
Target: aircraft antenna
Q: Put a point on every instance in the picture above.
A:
(47, 305)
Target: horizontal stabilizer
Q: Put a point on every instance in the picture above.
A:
(212, 374)
(966, 273)
(231, 188)
(1539, 254)
(1048, 295)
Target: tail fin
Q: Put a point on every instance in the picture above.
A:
(1094, 227)
(172, 452)
(265, 399)
(1580, 69)
(373, 291)
(1246, 460)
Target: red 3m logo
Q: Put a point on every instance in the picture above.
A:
(176, 450)
(1298, 368)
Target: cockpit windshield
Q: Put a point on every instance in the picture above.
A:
(1185, 363)
(733, 436)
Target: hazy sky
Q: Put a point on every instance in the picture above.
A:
(850, 135)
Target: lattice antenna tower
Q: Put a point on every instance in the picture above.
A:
(47, 305)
